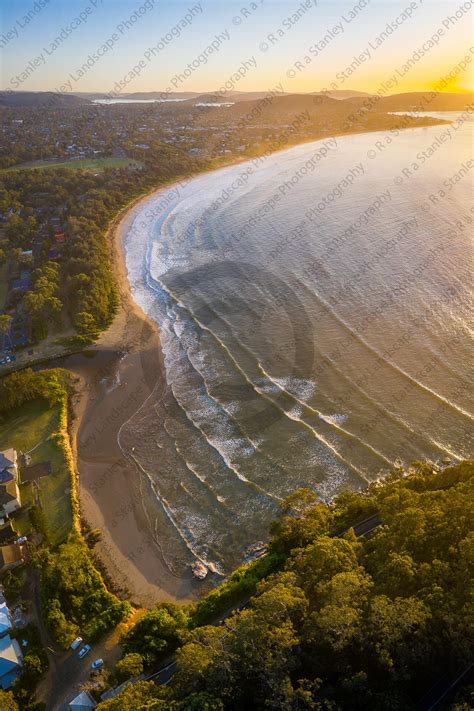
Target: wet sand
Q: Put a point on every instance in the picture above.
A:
(115, 378)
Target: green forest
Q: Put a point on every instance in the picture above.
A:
(342, 622)
(72, 282)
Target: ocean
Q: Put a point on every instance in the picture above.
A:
(314, 309)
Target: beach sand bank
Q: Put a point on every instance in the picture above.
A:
(114, 378)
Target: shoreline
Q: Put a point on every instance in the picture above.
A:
(118, 374)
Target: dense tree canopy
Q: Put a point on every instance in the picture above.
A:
(75, 595)
(24, 385)
(80, 276)
(346, 622)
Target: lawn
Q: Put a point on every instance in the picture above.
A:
(29, 429)
(92, 164)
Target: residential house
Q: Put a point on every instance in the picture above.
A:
(11, 556)
(9, 492)
(8, 465)
(11, 661)
(6, 623)
(7, 532)
(10, 500)
(82, 702)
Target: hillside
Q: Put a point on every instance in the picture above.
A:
(34, 99)
(282, 107)
(373, 622)
(287, 119)
(343, 94)
(418, 101)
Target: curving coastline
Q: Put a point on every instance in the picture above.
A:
(118, 374)
(129, 361)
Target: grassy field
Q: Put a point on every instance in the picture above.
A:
(30, 427)
(92, 164)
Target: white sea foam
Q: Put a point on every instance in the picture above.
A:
(351, 377)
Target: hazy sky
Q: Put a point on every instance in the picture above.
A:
(191, 46)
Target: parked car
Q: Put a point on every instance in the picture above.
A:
(86, 648)
(76, 643)
(23, 539)
(97, 664)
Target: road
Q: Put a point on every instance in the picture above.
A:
(435, 696)
(67, 673)
(164, 674)
(369, 524)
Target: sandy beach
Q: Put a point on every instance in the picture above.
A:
(115, 377)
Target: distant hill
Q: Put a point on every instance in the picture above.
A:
(342, 94)
(238, 96)
(157, 95)
(419, 101)
(40, 98)
(139, 95)
(284, 108)
(212, 99)
(234, 97)
(294, 118)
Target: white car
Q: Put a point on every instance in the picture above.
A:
(76, 643)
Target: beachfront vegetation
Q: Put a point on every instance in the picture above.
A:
(75, 596)
(33, 416)
(345, 622)
(157, 633)
(241, 584)
(163, 629)
(25, 385)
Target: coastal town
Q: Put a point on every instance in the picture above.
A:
(43, 300)
(236, 464)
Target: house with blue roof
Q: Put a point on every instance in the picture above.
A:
(11, 661)
(5, 620)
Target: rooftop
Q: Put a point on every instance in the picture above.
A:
(11, 660)
(7, 458)
(11, 554)
(82, 702)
